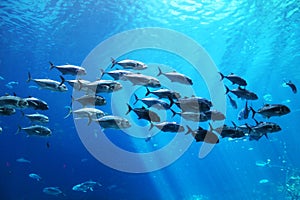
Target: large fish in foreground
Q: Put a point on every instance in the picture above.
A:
(95, 100)
(49, 84)
(262, 129)
(69, 69)
(292, 86)
(234, 79)
(176, 77)
(141, 79)
(270, 110)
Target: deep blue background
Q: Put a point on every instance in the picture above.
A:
(258, 40)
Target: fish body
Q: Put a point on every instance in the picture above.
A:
(23, 160)
(262, 129)
(104, 86)
(90, 113)
(270, 110)
(36, 103)
(36, 130)
(79, 84)
(129, 64)
(164, 93)
(53, 191)
(140, 79)
(231, 132)
(157, 103)
(194, 104)
(35, 177)
(69, 69)
(144, 113)
(232, 102)
(49, 84)
(244, 113)
(7, 111)
(168, 127)
(234, 79)
(85, 186)
(117, 74)
(91, 100)
(292, 86)
(202, 135)
(215, 115)
(242, 93)
(176, 77)
(192, 116)
(13, 102)
(1, 129)
(115, 122)
(39, 118)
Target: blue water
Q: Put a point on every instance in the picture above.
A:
(258, 40)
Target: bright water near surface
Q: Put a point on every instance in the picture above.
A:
(258, 40)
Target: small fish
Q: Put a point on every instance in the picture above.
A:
(144, 113)
(1, 78)
(69, 69)
(39, 118)
(36, 130)
(270, 110)
(153, 102)
(7, 111)
(49, 84)
(262, 181)
(48, 145)
(232, 102)
(176, 77)
(234, 79)
(292, 86)
(164, 93)
(85, 186)
(23, 160)
(129, 64)
(244, 113)
(36, 103)
(242, 93)
(53, 191)
(115, 122)
(140, 79)
(35, 177)
(11, 84)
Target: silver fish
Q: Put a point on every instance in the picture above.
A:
(176, 77)
(23, 160)
(157, 103)
(7, 111)
(242, 93)
(40, 118)
(53, 191)
(36, 103)
(129, 64)
(270, 110)
(115, 122)
(104, 86)
(85, 186)
(116, 74)
(78, 84)
(90, 113)
(35, 177)
(91, 100)
(36, 130)
(13, 102)
(140, 79)
(49, 84)
(69, 69)
(192, 116)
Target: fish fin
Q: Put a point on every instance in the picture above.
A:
(19, 129)
(90, 120)
(148, 91)
(51, 65)
(113, 61)
(29, 78)
(249, 128)
(69, 111)
(136, 99)
(151, 126)
(173, 113)
(227, 90)
(253, 112)
(189, 130)
(222, 76)
(266, 135)
(102, 72)
(171, 101)
(129, 109)
(235, 126)
(62, 80)
(159, 72)
(210, 126)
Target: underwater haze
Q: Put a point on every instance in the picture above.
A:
(256, 40)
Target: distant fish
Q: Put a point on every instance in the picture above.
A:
(11, 84)
(35, 177)
(85, 186)
(232, 102)
(176, 77)
(53, 191)
(36, 130)
(261, 163)
(69, 69)
(129, 64)
(7, 111)
(292, 86)
(1, 78)
(262, 181)
(1, 129)
(234, 79)
(49, 84)
(23, 160)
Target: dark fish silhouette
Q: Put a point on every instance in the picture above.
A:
(292, 86)
(234, 79)
(270, 110)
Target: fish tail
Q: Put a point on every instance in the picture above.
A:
(29, 77)
(129, 109)
(210, 126)
(136, 99)
(151, 126)
(266, 135)
(222, 76)
(159, 72)
(62, 80)
(249, 128)
(69, 111)
(51, 65)
(233, 124)
(113, 61)
(255, 121)
(189, 130)
(90, 120)
(253, 112)
(171, 101)
(102, 72)
(173, 113)
(18, 130)
(148, 91)
(227, 90)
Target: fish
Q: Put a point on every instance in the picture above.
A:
(191, 116)
(244, 113)
(231, 132)
(245, 127)
(1, 78)
(7, 111)
(262, 129)
(95, 100)
(103, 86)
(39, 118)
(114, 122)
(69, 69)
(35, 177)
(129, 64)
(172, 127)
(36, 130)
(49, 84)
(116, 74)
(292, 86)
(85, 186)
(1, 129)
(270, 110)
(194, 104)
(176, 77)
(36, 104)
(202, 135)
(13, 102)
(23, 160)
(79, 84)
(90, 113)
(164, 93)
(242, 93)
(140, 79)
(234, 79)
(153, 102)
(144, 113)
(232, 102)
(215, 115)
(11, 84)
(53, 191)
